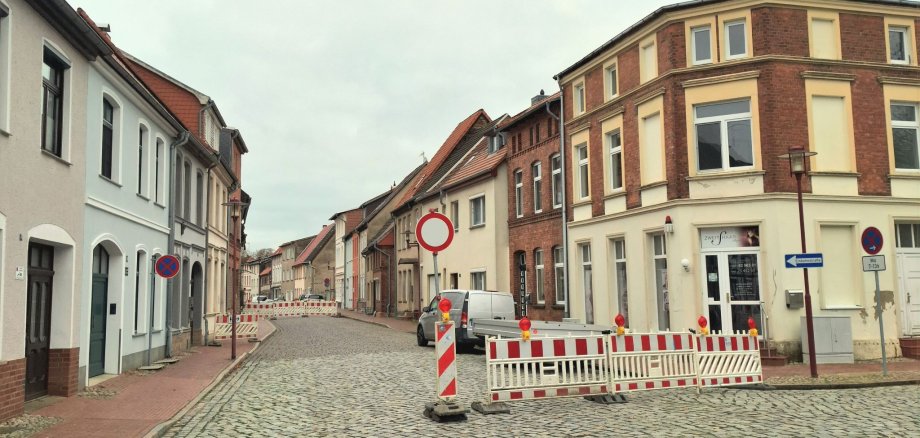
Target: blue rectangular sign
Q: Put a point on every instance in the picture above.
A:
(812, 260)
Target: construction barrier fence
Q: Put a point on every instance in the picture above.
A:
(247, 327)
(285, 309)
(574, 366)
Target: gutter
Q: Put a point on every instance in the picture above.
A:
(171, 243)
(565, 209)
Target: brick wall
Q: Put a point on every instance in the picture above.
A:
(780, 31)
(62, 371)
(871, 134)
(544, 233)
(672, 48)
(12, 388)
(862, 37)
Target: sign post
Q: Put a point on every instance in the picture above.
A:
(434, 232)
(872, 242)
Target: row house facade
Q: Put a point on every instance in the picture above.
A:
(678, 203)
(346, 248)
(535, 200)
(249, 280)
(409, 293)
(289, 252)
(277, 273)
(85, 128)
(313, 268)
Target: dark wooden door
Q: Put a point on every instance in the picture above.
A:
(97, 314)
(38, 319)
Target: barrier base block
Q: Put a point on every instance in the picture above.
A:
(607, 399)
(490, 408)
(442, 411)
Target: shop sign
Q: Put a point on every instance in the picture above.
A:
(729, 237)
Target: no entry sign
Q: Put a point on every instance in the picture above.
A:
(434, 232)
(167, 266)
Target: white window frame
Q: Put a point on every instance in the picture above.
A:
(898, 124)
(618, 247)
(481, 274)
(587, 280)
(694, 32)
(538, 275)
(455, 215)
(584, 176)
(723, 121)
(518, 193)
(559, 271)
(728, 48)
(537, 172)
(556, 168)
(615, 151)
(611, 77)
(905, 35)
(481, 222)
(578, 96)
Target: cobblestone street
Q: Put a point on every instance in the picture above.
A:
(338, 377)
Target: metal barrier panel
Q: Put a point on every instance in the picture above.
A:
(640, 362)
(725, 360)
(328, 308)
(247, 327)
(545, 368)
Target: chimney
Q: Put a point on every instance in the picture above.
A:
(538, 98)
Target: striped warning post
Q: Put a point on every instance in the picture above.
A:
(574, 366)
(725, 360)
(445, 347)
(641, 362)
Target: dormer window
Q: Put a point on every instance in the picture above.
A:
(496, 143)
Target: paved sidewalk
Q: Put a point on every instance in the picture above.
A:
(398, 324)
(132, 404)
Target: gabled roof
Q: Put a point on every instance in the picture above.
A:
(266, 271)
(511, 121)
(443, 153)
(310, 252)
(276, 253)
(394, 191)
(461, 158)
(384, 230)
(478, 162)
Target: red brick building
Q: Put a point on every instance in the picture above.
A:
(535, 207)
(678, 202)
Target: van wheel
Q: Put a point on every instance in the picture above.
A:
(420, 337)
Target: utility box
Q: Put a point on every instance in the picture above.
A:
(795, 298)
(833, 339)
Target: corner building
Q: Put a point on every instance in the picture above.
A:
(684, 116)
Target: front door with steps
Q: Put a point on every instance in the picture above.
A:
(38, 319)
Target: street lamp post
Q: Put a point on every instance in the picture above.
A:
(797, 157)
(236, 208)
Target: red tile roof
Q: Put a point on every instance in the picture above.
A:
(266, 271)
(314, 244)
(449, 144)
(277, 252)
(478, 162)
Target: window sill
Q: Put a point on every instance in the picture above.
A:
(726, 174)
(156, 331)
(143, 197)
(159, 205)
(538, 211)
(619, 193)
(59, 159)
(473, 227)
(579, 203)
(138, 334)
(539, 305)
(558, 306)
(653, 185)
(914, 176)
(105, 178)
(833, 173)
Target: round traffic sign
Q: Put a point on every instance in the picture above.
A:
(167, 266)
(434, 232)
(872, 240)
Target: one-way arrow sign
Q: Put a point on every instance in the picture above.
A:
(814, 260)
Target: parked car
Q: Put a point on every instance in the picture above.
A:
(315, 297)
(260, 299)
(466, 306)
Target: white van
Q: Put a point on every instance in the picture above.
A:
(466, 306)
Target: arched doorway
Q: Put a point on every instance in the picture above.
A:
(196, 303)
(97, 316)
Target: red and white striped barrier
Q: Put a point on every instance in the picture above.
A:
(725, 360)
(545, 368)
(640, 362)
(285, 309)
(328, 308)
(446, 353)
(247, 326)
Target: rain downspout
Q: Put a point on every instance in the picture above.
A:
(171, 243)
(565, 210)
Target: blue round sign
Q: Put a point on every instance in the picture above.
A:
(167, 266)
(872, 240)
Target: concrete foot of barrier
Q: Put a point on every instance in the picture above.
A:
(490, 408)
(607, 399)
(442, 411)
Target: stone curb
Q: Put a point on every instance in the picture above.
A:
(160, 429)
(373, 322)
(830, 386)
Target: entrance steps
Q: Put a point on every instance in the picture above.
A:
(770, 358)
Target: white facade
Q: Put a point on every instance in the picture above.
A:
(218, 243)
(126, 215)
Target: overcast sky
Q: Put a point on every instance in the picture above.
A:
(338, 99)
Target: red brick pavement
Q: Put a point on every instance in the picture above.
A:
(800, 369)
(144, 401)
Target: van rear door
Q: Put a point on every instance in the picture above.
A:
(502, 306)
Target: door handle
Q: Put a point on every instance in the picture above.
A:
(728, 298)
